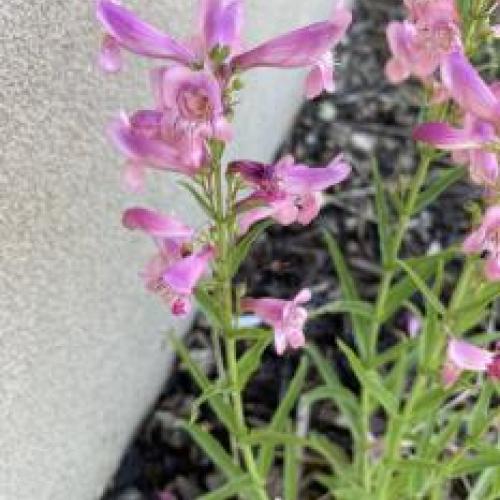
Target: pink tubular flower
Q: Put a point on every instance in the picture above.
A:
(221, 23)
(151, 138)
(130, 33)
(419, 49)
(194, 98)
(463, 356)
(430, 10)
(182, 277)
(469, 145)
(156, 225)
(468, 89)
(285, 191)
(286, 317)
(486, 240)
(174, 271)
(309, 46)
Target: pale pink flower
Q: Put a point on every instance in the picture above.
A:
(156, 224)
(181, 278)
(285, 191)
(468, 89)
(486, 240)
(286, 317)
(174, 272)
(470, 145)
(130, 33)
(220, 23)
(463, 356)
(431, 10)
(194, 98)
(151, 138)
(419, 49)
(310, 46)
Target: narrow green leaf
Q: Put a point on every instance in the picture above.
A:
(354, 307)
(343, 397)
(240, 252)
(404, 289)
(383, 217)
(250, 334)
(484, 484)
(280, 416)
(427, 404)
(473, 464)
(333, 453)
(479, 415)
(230, 489)
(349, 292)
(250, 361)
(371, 381)
(423, 288)
(209, 307)
(202, 201)
(291, 469)
(223, 411)
(444, 180)
(213, 449)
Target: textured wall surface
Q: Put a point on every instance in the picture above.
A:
(82, 353)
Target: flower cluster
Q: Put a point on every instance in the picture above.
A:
(193, 103)
(431, 40)
(430, 46)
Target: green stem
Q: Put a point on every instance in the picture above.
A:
(382, 296)
(225, 238)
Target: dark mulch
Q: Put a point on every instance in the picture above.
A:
(366, 118)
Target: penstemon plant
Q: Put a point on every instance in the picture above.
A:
(436, 391)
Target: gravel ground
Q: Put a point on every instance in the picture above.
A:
(366, 118)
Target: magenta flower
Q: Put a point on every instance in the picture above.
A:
(174, 272)
(130, 33)
(194, 98)
(220, 26)
(156, 224)
(486, 240)
(470, 145)
(221, 23)
(285, 191)
(468, 89)
(286, 317)
(181, 278)
(151, 138)
(463, 356)
(305, 47)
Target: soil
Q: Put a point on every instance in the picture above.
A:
(366, 118)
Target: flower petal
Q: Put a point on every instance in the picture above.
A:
(466, 356)
(442, 136)
(221, 23)
(156, 224)
(139, 148)
(321, 77)
(300, 179)
(137, 36)
(183, 276)
(468, 89)
(492, 269)
(110, 56)
(301, 47)
(133, 176)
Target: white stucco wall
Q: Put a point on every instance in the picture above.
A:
(82, 354)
